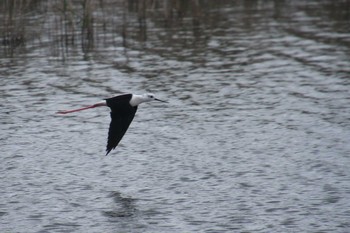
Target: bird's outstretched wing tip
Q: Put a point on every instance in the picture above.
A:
(107, 151)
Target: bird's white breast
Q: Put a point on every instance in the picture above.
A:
(136, 100)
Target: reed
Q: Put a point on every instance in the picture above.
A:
(90, 24)
(87, 26)
(13, 22)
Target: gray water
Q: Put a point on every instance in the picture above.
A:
(255, 137)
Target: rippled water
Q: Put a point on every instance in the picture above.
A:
(255, 137)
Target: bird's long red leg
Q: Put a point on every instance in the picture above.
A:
(80, 109)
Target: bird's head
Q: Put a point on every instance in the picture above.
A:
(147, 97)
(138, 99)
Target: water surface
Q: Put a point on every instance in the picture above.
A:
(255, 137)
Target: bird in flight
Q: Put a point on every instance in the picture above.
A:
(123, 109)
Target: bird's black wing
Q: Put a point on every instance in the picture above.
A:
(120, 121)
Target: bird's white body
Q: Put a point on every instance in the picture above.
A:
(138, 99)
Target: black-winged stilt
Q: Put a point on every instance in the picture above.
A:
(123, 109)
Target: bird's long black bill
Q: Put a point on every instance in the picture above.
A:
(161, 100)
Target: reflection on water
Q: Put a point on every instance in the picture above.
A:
(255, 137)
(126, 207)
(93, 26)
